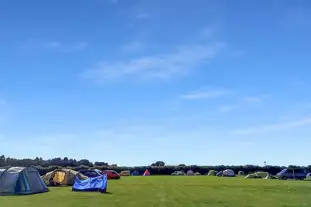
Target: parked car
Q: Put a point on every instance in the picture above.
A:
(289, 173)
(178, 173)
(111, 174)
(91, 173)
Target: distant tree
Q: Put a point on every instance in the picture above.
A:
(2, 161)
(158, 163)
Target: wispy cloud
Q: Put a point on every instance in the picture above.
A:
(133, 47)
(227, 108)
(275, 127)
(205, 94)
(160, 66)
(3, 102)
(141, 16)
(75, 47)
(54, 45)
(254, 99)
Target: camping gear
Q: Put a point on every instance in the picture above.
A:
(125, 173)
(91, 184)
(261, 174)
(241, 173)
(135, 173)
(146, 173)
(190, 173)
(62, 177)
(220, 173)
(292, 173)
(251, 176)
(211, 173)
(178, 173)
(228, 173)
(21, 181)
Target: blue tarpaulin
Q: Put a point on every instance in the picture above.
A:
(91, 184)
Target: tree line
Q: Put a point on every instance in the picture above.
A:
(157, 168)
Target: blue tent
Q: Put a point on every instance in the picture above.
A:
(21, 181)
(135, 173)
(91, 184)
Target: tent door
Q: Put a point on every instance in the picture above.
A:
(59, 177)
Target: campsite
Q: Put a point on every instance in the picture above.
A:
(62, 187)
(175, 191)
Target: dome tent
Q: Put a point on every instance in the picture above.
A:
(21, 181)
(62, 177)
(190, 173)
(220, 173)
(211, 173)
(125, 173)
(228, 173)
(135, 173)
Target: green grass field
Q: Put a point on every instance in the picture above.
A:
(175, 191)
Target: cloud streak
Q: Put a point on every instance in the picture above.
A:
(55, 45)
(160, 66)
(205, 94)
(274, 127)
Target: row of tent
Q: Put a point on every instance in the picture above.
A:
(27, 180)
(135, 173)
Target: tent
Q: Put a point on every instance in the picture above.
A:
(21, 181)
(63, 177)
(91, 184)
(125, 173)
(135, 173)
(228, 173)
(146, 173)
(261, 174)
(251, 176)
(211, 173)
(190, 173)
(220, 173)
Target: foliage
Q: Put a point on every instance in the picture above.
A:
(180, 191)
(157, 168)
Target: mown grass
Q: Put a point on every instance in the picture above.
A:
(176, 191)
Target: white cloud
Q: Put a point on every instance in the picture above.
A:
(3, 102)
(161, 66)
(205, 94)
(54, 45)
(142, 16)
(75, 47)
(275, 127)
(133, 47)
(227, 108)
(252, 99)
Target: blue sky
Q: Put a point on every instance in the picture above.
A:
(135, 81)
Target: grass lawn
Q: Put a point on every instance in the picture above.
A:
(175, 191)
